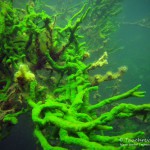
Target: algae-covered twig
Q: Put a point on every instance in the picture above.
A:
(44, 73)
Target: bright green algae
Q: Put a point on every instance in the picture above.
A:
(60, 103)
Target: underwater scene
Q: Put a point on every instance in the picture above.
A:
(74, 75)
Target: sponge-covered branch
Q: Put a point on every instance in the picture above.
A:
(131, 93)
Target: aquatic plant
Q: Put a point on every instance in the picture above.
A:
(58, 97)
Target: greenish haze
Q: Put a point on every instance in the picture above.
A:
(59, 97)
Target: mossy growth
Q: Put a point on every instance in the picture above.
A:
(50, 80)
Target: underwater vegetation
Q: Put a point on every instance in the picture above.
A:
(43, 71)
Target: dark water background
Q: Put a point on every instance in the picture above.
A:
(136, 55)
(136, 42)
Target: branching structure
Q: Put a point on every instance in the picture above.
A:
(61, 108)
